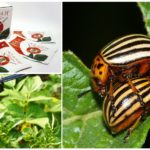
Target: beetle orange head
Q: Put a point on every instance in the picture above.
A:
(100, 74)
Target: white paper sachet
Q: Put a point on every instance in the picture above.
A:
(31, 50)
(10, 60)
(36, 36)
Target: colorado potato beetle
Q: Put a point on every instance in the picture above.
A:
(129, 111)
(123, 58)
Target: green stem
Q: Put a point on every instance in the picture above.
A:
(25, 107)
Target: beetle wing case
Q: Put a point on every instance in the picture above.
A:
(127, 104)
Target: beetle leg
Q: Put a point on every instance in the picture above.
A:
(111, 97)
(140, 99)
(143, 115)
(135, 90)
(131, 129)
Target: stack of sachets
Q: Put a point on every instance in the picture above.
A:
(10, 60)
(35, 36)
(22, 48)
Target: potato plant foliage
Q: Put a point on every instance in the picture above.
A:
(30, 110)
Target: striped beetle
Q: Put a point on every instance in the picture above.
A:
(122, 59)
(129, 111)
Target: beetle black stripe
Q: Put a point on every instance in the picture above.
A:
(130, 95)
(118, 95)
(127, 88)
(146, 49)
(133, 103)
(122, 48)
(140, 89)
(126, 119)
(120, 41)
(124, 100)
(105, 109)
(106, 101)
(140, 81)
(120, 92)
(143, 88)
(112, 44)
(127, 108)
(146, 93)
(123, 91)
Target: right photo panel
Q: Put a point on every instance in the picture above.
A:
(106, 70)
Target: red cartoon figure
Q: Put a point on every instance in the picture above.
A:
(33, 50)
(37, 36)
(4, 60)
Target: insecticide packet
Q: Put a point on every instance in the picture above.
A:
(10, 60)
(31, 50)
(36, 36)
(5, 19)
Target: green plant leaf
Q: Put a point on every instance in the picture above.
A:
(52, 104)
(84, 126)
(40, 98)
(46, 39)
(75, 81)
(30, 55)
(35, 111)
(42, 122)
(40, 57)
(2, 107)
(18, 122)
(20, 84)
(15, 110)
(31, 84)
(54, 107)
(5, 33)
(12, 94)
(10, 83)
(145, 9)
(2, 69)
